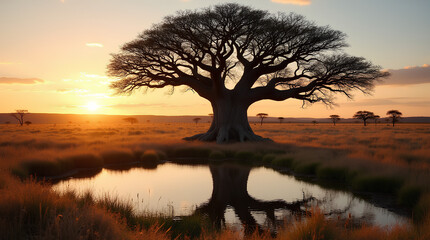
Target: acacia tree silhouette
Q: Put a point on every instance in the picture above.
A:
(262, 56)
(335, 118)
(281, 119)
(196, 120)
(262, 116)
(376, 118)
(395, 115)
(19, 115)
(364, 115)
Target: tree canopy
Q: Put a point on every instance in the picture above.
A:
(234, 55)
(395, 115)
(364, 115)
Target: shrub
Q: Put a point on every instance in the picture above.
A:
(409, 195)
(283, 162)
(268, 158)
(150, 156)
(244, 155)
(117, 156)
(422, 209)
(306, 168)
(194, 152)
(217, 155)
(40, 168)
(380, 184)
(338, 174)
(85, 161)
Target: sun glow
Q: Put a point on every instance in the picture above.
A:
(92, 106)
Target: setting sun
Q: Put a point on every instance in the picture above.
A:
(92, 106)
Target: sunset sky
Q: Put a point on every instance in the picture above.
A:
(54, 53)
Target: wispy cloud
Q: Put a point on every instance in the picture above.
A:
(407, 101)
(94, 45)
(8, 80)
(408, 75)
(295, 2)
(74, 91)
(6, 63)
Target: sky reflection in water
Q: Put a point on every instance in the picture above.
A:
(181, 189)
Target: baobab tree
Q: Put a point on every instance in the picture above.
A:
(395, 116)
(281, 119)
(196, 120)
(19, 115)
(262, 116)
(335, 118)
(260, 55)
(364, 115)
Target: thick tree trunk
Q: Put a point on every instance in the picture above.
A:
(229, 123)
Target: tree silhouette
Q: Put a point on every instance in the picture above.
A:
(196, 120)
(262, 116)
(376, 118)
(27, 123)
(395, 116)
(335, 119)
(19, 115)
(262, 55)
(364, 115)
(230, 189)
(131, 120)
(281, 119)
(314, 122)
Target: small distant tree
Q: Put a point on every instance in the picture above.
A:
(364, 115)
(131, 120)
(27, 123)
(262, 116)
(395, 116)
(314, 122)
(335, 119)
(196, 120)
(376, 118)
(7, 122)
(19, 115)
(281, 119)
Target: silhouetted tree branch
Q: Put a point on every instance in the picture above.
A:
(19, 115)
(265, 56)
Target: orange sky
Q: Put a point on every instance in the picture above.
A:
(53, 55)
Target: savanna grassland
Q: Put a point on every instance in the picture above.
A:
(380, 159)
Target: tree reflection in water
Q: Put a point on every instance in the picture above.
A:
(230, 190)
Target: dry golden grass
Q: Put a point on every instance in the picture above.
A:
(402, 151)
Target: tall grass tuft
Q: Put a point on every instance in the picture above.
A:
(313, 228)
(33, 211)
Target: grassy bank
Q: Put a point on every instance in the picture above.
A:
(48, 215)
(378, 159)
